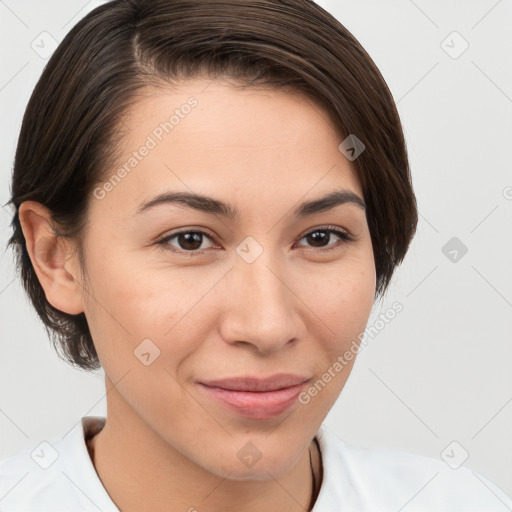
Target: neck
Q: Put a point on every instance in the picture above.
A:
(131, 458)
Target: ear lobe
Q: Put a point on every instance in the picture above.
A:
(50, 258)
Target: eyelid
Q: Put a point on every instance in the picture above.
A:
(327, 227)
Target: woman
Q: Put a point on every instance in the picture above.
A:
(210, 196)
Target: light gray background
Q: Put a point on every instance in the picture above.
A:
(440, 371)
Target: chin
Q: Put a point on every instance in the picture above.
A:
(263, 472)
(264, 468)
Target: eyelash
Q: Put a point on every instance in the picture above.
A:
(345, 239)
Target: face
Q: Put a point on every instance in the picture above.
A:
(181, 295)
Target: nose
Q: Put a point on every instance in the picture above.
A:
(259, 306)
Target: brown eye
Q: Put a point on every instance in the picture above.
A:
(322, 237)
(185, 241)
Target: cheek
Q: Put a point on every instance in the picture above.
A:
(342, 304)
(341, 295)
(130, 302)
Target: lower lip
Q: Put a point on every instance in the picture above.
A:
(256, 405)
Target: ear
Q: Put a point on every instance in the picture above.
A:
(52, 258)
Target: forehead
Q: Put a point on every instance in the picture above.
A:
(215, 138)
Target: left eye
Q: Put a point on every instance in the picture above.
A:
(321, 236)
(190, 242)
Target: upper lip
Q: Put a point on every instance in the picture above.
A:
(249, 383)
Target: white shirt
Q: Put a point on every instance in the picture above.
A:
(354, 479)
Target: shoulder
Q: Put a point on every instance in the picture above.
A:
(381, 479)
(34, 478)
(56, 475)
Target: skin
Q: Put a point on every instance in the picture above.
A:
(294, 309)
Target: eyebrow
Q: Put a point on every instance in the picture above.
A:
(215, 207)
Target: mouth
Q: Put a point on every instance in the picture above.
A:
(256, 398)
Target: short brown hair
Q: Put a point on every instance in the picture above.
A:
(68, 137)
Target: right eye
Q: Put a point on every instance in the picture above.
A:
(187, 242)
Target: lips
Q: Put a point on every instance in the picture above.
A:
(253, 397)
(255, 384)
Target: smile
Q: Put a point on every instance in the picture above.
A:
(256, 398)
